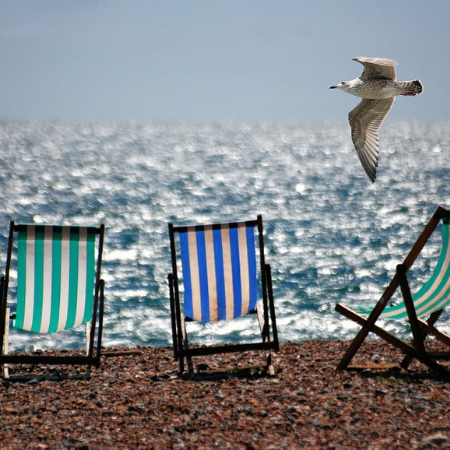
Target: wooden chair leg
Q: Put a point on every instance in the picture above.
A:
(407, 360)
(264, 329)
(186, 349)
(368, 323)
(383, 334)
(173, 317)
(273, 319)
(439, 335)
(411, 310)
(6, 343)
(416, 329)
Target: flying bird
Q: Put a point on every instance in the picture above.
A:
(378, 87)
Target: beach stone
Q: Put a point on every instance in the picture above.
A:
(138, 400)
(437, 439)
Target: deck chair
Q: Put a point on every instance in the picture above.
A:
(221, 280)
(58, 287)
(421, 310)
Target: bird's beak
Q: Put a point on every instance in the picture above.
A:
(333, 87)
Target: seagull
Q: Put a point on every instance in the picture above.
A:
(378, 87)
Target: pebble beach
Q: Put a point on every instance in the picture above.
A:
(137, 399)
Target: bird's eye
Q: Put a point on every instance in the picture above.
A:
(344, 83)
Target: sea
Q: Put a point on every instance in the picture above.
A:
(331, 235)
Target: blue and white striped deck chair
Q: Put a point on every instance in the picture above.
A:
(221, 279)
(421, 310)
(58, 288)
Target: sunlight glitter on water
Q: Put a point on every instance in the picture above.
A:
(331, 236)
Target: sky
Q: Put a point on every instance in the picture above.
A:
(211, 60)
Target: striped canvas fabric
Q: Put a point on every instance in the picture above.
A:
(434, 294)
(55, 277)
(219, 271)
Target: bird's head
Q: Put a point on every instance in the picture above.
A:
(342, 86)
(348, 86)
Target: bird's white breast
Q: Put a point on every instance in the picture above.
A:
(372, 89)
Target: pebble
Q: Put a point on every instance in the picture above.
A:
(136, 399)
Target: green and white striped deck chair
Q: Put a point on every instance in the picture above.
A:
(421, 311)
(58, 288)
(221, 280)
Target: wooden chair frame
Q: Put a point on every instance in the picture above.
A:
(419, 328)
(93, 349)
(266, 313)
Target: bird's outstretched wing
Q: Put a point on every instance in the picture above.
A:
(365, 122)
(377, 68)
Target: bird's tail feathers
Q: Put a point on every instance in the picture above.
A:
(412, 87)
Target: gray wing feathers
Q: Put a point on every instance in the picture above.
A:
(365, 121)
(377, 68)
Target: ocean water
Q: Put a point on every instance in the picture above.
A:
(331, 236)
